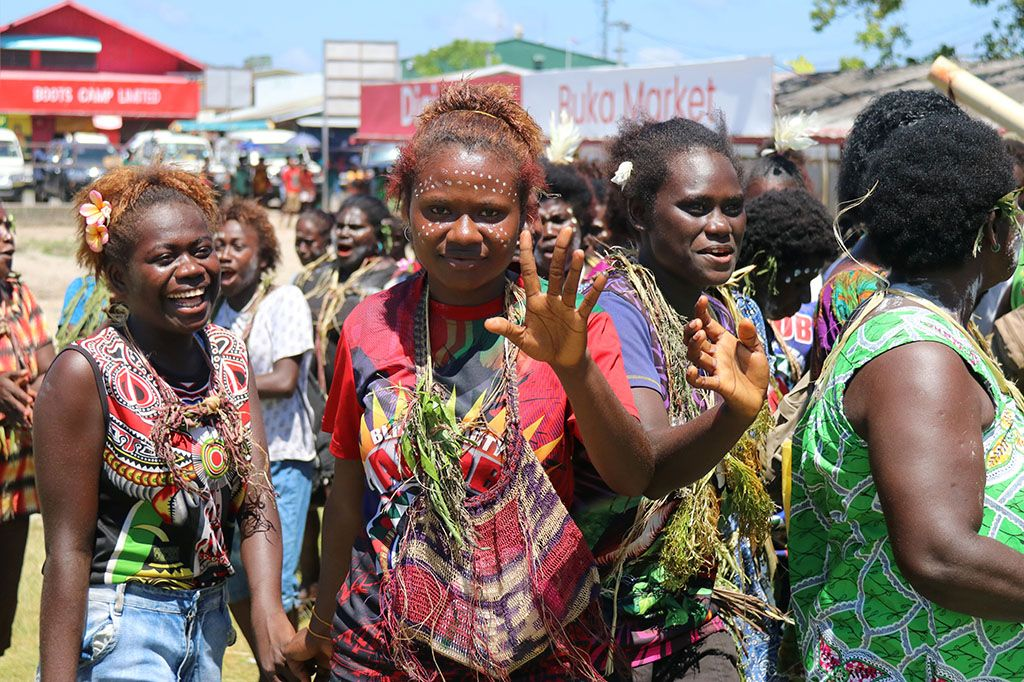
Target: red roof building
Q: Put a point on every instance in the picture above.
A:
(70, 69)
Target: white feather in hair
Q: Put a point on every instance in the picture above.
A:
(565, 139)
(793, 133)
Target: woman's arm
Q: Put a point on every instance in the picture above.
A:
(922, 412)
(45, 356)
(736, 369)
(555, 331)
(343, 520)
(68, 437)
(261, 553)
(280, 382)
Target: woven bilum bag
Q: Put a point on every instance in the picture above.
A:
(504, 596)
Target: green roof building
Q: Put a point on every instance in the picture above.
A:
(524, 54)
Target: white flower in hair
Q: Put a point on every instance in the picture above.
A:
(622, 173)
(565, 139)
(793, 133)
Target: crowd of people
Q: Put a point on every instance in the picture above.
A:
(535, 419)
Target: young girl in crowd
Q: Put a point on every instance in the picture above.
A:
(680, 186)
(275, 324)
(150, 447)
(25, 354)
(788, 242)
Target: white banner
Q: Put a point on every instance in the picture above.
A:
(597, 98)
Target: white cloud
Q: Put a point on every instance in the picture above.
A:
(658, 55)
(298, 59)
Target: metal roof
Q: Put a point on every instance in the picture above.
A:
(839, 96)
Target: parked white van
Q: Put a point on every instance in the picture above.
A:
(187, 152)
(15, 176)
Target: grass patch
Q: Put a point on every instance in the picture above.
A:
(19, 663)
(62, 248)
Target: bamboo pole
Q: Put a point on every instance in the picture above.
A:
(969, 90)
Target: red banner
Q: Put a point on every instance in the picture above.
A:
(388, 112)
(89, 94)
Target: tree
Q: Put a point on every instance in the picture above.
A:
(457, 55)
(883, 33)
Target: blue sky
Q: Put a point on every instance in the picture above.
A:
(223, 33)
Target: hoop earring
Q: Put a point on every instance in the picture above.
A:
(408, 235)
(997, 247)
(117, 313)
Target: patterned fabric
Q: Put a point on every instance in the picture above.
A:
(653, 623)
(280, 327)
(858, 616)
(22, 333)
(375, 359)
(840, 296)
(148, 530)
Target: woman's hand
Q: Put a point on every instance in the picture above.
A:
(274, 632)
(307, 648)
(735, 367)
(554, 330)
(15, 400)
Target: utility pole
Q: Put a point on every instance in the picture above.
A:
(623, 26)
(604, 29)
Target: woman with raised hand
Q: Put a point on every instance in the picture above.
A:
(465, 438)
(274, 322)
(680, 185)
(906, 549)
(150, 448)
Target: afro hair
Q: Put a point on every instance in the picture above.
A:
(873, 126)
(790, 225)
(937, 183)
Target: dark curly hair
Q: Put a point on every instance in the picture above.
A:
(566, 181)
(376, 210)
(790, 225)
(872, 128)
(651, 146)
(250, 214)
(937, 183)
(131, 190)
(474, 117)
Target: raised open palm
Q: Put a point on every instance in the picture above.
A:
(554, 330)
(735, 367)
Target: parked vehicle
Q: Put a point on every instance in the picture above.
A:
(72, 162)
(15, 175)
(190, 153)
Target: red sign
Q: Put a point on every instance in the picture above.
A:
(388, 112)
(90, 94)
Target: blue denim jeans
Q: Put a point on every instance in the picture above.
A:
(139, 632)
(293, 482)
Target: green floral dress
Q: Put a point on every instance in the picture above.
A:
(858, 616)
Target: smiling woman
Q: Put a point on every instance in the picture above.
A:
(150, 448)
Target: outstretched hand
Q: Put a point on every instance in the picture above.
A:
(554, 329)
(735, 367)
